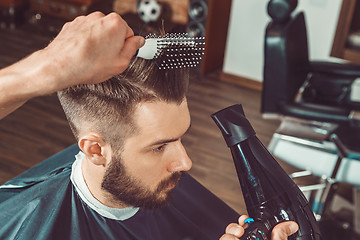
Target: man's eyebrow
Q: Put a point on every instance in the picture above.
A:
(164, 141)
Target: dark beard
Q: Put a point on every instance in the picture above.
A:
(130, 191)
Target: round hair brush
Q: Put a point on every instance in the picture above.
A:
(173, 50)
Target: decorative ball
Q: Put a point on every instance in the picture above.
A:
(149, 10)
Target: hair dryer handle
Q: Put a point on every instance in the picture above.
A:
(258, 230)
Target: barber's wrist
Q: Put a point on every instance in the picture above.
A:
(50, 74)
(40, 74)
(22, 81)
(33, 76)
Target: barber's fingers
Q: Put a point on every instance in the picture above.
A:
(95, 15)
(131, 45)
(129, 32)
(118, 21)
(234, 229)
(65, 26)
(283, 230)
(242, 219)
(79, 20)
(228, 237)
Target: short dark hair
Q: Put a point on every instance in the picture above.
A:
(106, 106)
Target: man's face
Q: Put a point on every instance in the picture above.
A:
(153, 159)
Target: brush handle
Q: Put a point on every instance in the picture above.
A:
(149, 50)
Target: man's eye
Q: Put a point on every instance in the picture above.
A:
(159, 149)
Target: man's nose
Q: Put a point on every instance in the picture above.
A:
(180, 160)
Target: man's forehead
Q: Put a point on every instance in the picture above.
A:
(160, 119)
(158, 107)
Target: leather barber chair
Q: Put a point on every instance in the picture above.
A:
(319, 104)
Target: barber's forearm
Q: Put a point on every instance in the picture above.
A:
(28, 78)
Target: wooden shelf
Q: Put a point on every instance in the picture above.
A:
(348, 23)
(352, 55)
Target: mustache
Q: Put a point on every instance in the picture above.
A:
(172, 180)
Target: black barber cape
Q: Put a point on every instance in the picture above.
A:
(42, 203)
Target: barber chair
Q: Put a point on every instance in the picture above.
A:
(319, 105)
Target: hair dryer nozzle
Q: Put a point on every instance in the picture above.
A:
(233, 124)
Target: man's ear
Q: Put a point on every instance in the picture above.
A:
(94, 148)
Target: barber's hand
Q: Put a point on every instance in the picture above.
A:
(92, 48)
(280, 232)
(283, 230)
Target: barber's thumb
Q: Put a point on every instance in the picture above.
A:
(139, 40)
(131, 45)
(136, 41)
(283, 230)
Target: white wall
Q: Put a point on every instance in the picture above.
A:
(244, 50)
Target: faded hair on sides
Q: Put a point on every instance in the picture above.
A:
(107, 107)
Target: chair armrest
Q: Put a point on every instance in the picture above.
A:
(316, 112)
(344, 69)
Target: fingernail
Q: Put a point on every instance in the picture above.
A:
(141, 42)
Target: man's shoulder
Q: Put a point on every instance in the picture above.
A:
(32, 204)
(33, 186)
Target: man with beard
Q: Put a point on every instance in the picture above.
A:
(129, 129)
(123, 183)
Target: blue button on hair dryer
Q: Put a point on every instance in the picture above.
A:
(270, 195)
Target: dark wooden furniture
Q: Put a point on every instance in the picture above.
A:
(216, 34)
(348, 23)
(12, 12)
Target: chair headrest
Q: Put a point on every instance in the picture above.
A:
(280, 10)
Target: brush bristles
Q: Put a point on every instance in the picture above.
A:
(178, 50)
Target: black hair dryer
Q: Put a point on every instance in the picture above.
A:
(270, 195)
